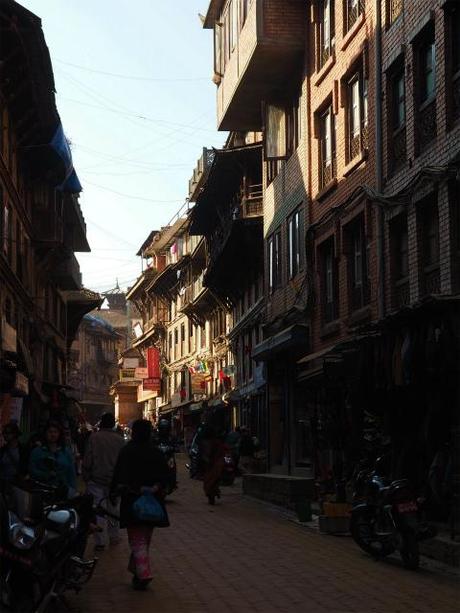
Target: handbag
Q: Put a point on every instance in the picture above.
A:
(147, 508)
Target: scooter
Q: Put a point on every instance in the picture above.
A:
(42, 543)
(388, 516)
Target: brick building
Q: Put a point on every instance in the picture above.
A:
(360, 217)
(41, 225)
(93, 366)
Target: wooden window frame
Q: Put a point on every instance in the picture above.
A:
(274, 260)
(294, 244)
(329, 308)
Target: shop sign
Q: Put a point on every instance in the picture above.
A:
(141, 373)
(130, 362)
(9, 337)
(153, 363)
(198, 383)
(21, 384)
(127, 374)
(152, 384)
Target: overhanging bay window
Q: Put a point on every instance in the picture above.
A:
(281, 134)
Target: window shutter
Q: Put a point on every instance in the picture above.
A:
(275, 132)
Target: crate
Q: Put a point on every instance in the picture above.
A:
(336, 509)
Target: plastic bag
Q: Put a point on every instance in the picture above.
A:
(147, 508)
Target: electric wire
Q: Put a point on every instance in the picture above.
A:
(131, 77)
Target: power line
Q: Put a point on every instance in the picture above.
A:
(134, 115)
(130, 196)
(130, 77)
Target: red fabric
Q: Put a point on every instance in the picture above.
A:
(153, 363)
(139, 538)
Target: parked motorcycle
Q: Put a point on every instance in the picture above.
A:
(168, 448)
(388, 516)
(195, 465)
(42, 543)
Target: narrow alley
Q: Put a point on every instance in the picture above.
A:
(244, 556)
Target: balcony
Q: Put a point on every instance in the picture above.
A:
(264, 53)
(67, 274)
(48, 228)
(200, 173)
(198, 301)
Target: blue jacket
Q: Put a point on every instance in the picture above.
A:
(64, 472)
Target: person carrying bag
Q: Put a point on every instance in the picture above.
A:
(140, 476)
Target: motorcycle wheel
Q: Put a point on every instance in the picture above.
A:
(410, 553)
(362, 531)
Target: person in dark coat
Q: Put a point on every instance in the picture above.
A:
(140, 469)
(13, 456)
(213, 451)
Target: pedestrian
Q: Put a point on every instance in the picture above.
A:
(247, 449)
(51, 462)
(233, 441)
(141, 469)
(13, 455)
(213, 453)
(101, 455)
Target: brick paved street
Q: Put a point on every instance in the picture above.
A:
(243, 556)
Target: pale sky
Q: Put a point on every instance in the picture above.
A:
(135, 140)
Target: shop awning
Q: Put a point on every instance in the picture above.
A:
(294, 336)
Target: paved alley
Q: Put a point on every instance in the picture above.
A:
(243, 556)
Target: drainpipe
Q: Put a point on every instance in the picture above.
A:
(379, 157)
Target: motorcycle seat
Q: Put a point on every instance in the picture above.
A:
(59, 521)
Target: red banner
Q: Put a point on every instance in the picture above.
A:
(153, 363)
(152, 385)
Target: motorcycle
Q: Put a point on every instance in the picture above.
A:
(195, 466)
(388, 516)
(168, 449)
(42, 543)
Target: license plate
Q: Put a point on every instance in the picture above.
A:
(407, 507)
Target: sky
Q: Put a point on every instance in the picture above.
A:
(134, 92)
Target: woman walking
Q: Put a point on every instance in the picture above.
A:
(141, 469)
